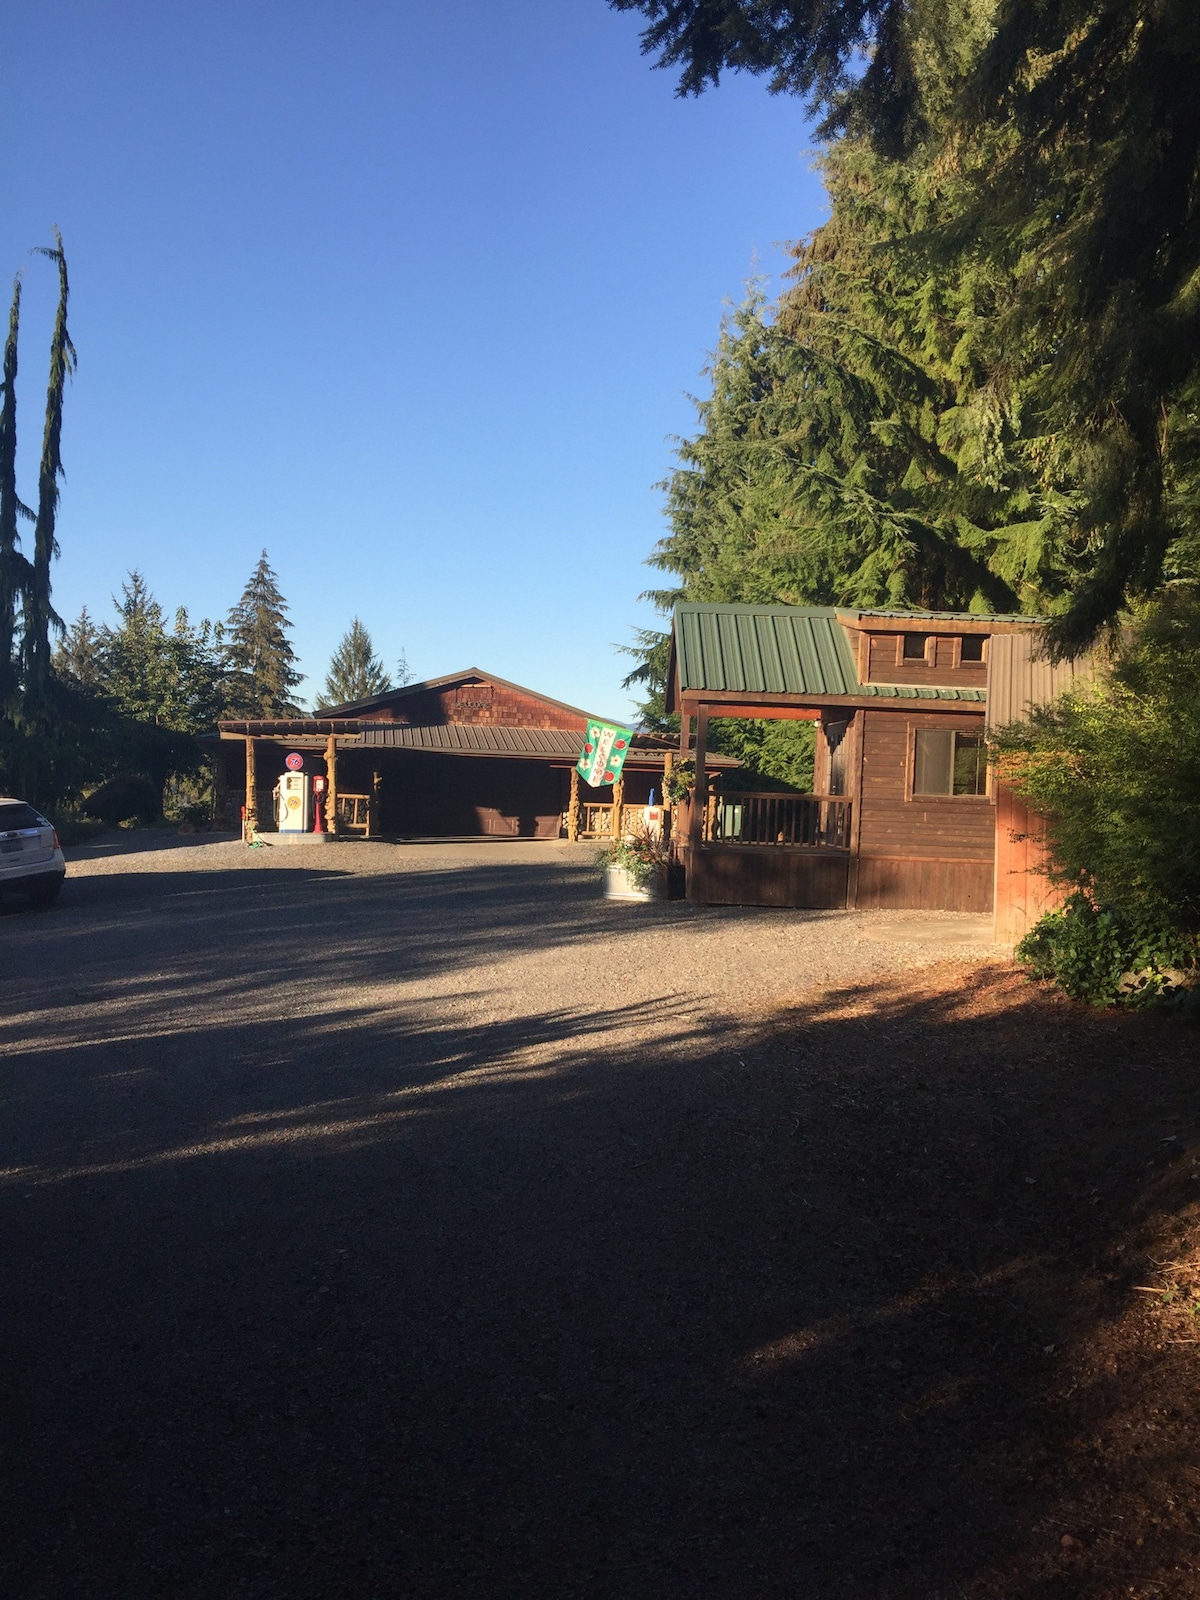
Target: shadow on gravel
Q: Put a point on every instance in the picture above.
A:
(361, 1307)
(244, 932)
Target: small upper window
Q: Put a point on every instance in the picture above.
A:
(914, 646)
(972, 647)
(949, 762)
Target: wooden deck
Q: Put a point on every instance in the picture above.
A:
(772, 850)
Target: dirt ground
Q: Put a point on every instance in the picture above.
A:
(408, 1222)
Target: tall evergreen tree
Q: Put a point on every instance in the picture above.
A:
(262, 663)
(40, 616)
(78, 658)
(170, 676)
(13, 567)
(1056, 152)
(162, 683)
(355, 672)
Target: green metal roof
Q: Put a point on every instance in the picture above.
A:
(937, 616)
(794, 650)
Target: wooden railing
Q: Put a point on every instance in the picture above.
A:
(807, 821)
(354, 813)
(596, 821)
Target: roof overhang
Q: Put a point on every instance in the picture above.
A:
(811, 708)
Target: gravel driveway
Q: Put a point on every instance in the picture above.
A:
(395, 1221)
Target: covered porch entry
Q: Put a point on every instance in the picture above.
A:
(762, 847)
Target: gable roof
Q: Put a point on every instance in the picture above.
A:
(763, 650)
(781, 650)
(354, 708)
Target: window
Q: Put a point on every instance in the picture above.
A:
(950, 763)
(914, 646)
(15, 814)
(972, 646)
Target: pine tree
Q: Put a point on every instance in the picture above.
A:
(171, 676)
(1055, 150)
(259, 654)
(77, 659)
(355, 672)
(13, 566)
(40, 616)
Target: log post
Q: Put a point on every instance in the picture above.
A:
(573, 808)
(700, 792)
(250, 821)
(373, 806)
(618, 795)
(667, 806)
(219, 786)
(331, 816)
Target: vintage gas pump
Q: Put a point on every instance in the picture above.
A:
(295, 803)
(319, 786)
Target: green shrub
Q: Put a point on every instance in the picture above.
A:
(1114, 769)
(1100, 956)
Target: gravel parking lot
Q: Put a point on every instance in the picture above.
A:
(401, 1220)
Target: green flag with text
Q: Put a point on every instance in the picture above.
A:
(603, 754)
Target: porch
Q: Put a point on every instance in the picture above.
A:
(767, 849)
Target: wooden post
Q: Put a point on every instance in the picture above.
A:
(618, 795)
(218, 787)
(854, 788)
(373, 806)
(667, 806)
(700, 793)
(250, 823)
(331, 816)
(573, 808)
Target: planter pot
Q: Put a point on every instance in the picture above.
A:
(619, 884)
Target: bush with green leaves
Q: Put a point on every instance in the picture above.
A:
(1114, 769)
(1097, 955)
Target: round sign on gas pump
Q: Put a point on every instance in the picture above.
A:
(294, 762)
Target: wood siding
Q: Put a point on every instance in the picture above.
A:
(885, 664)
(745, 875)
(958, 827)
(1023, 892)
(475, 702)
(891, 883)
(931, 853)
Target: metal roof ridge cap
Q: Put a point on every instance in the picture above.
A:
(747, 606)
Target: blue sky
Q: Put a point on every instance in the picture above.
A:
(410, 293)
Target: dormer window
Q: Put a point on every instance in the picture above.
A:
(914, 646)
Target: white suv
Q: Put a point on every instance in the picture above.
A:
(31, 860)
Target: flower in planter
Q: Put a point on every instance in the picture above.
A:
(640, 854)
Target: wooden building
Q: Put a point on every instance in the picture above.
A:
(1020, 678)
(467, 755)
(905, 812)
